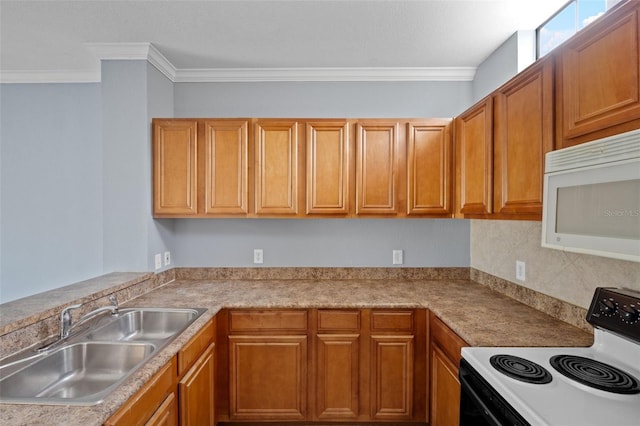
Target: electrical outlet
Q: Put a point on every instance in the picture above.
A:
(167, 258)
(258, 256)
(397, 257)
(520, 270)
(158, 260)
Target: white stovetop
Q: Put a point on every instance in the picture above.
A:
(564, 402)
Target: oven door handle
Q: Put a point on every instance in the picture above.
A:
(466, 386)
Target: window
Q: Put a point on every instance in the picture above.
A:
(574, 16)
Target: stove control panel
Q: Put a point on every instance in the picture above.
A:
(616, 310)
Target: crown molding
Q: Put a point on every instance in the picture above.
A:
(224, 75)
(148, 52)
(134, 51)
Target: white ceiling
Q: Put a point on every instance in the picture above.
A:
(52, 38)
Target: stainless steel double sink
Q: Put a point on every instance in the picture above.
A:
(85, 368)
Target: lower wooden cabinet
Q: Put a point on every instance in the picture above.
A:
(445, 362)
(153, 404)
(196, 378)
(196, 391)
(334, 365)
(268, 377)
(267, 365)
(166, 414)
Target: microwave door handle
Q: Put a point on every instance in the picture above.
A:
(486, 411)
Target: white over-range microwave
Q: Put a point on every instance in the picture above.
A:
(592, 198)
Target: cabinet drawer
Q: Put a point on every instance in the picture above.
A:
(338, 320)
(268, 320)
(446, 339)
(392, 321)
(192, 350)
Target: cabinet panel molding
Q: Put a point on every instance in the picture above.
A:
(276, 153)
(328, 167)
(523, 131)
(474, 145)
(167, 413)
(445, 390)
(196, 391)
(226, 168)
(392, 377)
(175, 167)
(429, 163)
(268, 377)
(600, 75)
(376, 168)
(338, 376)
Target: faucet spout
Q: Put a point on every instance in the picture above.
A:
(66, 320)
(67, 324)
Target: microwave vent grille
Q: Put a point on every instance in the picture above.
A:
(624, 146)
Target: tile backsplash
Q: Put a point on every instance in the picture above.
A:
(572, 277)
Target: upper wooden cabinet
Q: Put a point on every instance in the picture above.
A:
(175, 167)
(328, 146)
(200, 167)
(474, 158)
(523, 134)
(429, 164)
(302, 168)
(276, 165)
(598, 77)
(376, 167)
(500, 147)
(226, 167)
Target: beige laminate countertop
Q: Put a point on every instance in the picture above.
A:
(480, 316)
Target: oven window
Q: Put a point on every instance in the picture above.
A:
(614, 210)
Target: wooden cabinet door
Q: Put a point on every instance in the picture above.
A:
(276, 158)
(151, 398)
(429, 167)
(167, 413)
(175, 167)
(337, 376)
(474, 158)
(445, 355)
(523, 132)
(328, 160)
(445, 390)
(196, 390)
(226, 167)
(376, 167)
(268, 377)
(600, 76)
(392, 377)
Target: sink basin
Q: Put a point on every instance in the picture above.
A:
(82, 372)
(145, 325)
(87, 366)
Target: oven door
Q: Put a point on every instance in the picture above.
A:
(480, 404)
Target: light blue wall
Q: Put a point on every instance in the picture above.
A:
(322, 99)
(329, 242)
(323, 242)
(75, 176)
(51, 187)
(133, 92)
(514, 55)
(125, 176)
(159, 104)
